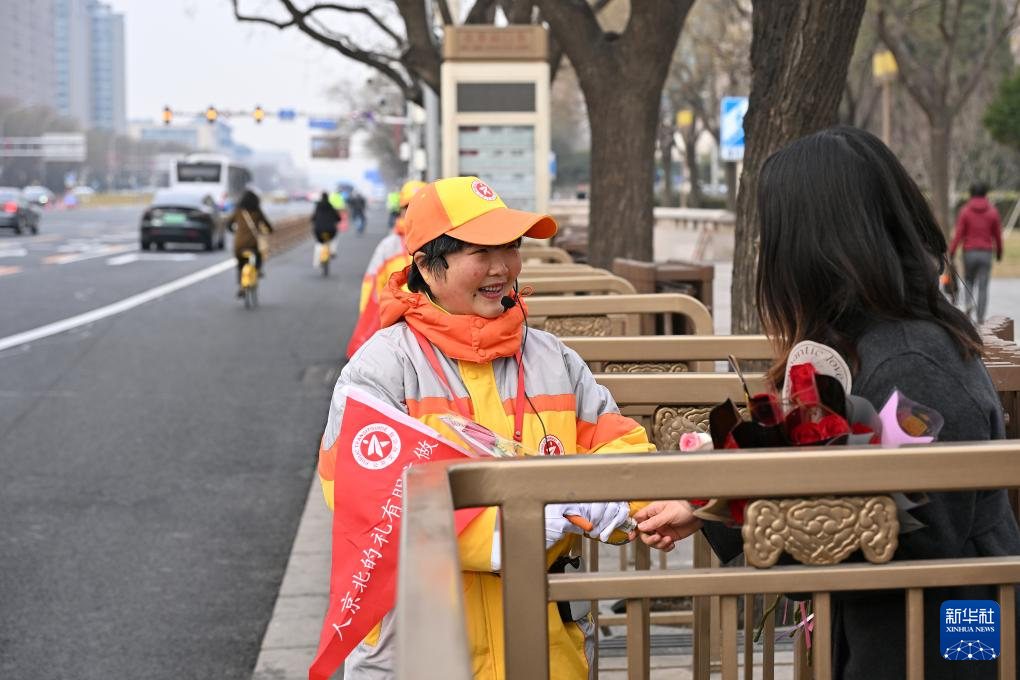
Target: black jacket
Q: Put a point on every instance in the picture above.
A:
(869, 632)
(324, 219)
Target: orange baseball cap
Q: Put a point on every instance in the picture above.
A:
(468, 209)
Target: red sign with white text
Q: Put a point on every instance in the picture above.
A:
(376, 444)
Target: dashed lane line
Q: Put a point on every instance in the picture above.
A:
(104, 251)
(9, 271)
(115, 308)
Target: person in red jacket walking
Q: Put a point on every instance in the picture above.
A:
(979, 231)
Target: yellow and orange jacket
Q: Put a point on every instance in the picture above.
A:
(389, 257)
(477, 358)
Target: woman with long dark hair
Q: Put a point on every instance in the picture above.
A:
(850, 257)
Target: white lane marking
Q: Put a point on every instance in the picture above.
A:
(103, 251)
(149, 257)
(14, 252)
(115, 308)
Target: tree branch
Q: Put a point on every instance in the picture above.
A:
(481, 12)
(992, 43)
(357, 10)
(580, 37)
(444, 12)
(260, 20)
(914, 77)
(301, 19)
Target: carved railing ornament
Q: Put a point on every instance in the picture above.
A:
(644, 367)
(823, 530)
(578, 326)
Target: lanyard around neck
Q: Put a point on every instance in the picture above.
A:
(430, 356)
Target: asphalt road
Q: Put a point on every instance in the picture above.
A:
(155, 463)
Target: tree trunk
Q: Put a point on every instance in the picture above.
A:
(621, 75)
(695, 199)
(666, 148)
(939, 149)
(730, 173)
(623, 174)
(800, 53)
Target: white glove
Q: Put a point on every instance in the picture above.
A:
(556, 524)
(604, 517)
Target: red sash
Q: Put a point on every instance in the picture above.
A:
(376, 444)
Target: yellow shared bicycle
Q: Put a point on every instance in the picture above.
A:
(324, 255)
(249, 280)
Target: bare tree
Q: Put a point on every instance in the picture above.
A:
(940, 70)
(407, 55)
(800, 52)
(710, 62)
(621, 75)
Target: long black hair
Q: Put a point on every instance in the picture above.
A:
(847, 239)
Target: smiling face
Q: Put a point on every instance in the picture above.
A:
(476, 280)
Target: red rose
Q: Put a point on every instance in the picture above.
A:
(737, 508)
(833, 426)
(803, 390)
(806, 433)
(860, 428)
(698, 502)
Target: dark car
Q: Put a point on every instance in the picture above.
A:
(182, 217)
(16, 213)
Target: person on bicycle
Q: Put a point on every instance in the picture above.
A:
(248, 223)
(389, 256)
(325, 219)
(454, 339)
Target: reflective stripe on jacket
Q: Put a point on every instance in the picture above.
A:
(572, 406)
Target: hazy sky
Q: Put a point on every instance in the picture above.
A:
(188, 54)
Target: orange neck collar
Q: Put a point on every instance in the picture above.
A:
(465, 337)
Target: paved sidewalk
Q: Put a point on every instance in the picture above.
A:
(293, 633)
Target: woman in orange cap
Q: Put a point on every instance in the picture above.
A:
(453, 339)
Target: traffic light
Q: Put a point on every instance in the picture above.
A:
(211, 114)
(168, 115)
(258, 114)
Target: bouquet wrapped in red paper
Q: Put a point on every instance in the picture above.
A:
(814, 408)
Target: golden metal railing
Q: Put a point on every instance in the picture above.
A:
(429, 610)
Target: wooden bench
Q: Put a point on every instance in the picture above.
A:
(531, 253)
(543, 269)
(667, 353)
(592, 283)
(614, 315)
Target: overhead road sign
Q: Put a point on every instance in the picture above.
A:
(322, 123)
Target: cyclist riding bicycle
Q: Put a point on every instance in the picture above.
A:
(248, 223)
(325, 220)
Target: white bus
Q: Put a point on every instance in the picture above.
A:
(215, 174)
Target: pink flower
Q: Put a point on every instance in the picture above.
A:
(695, 441)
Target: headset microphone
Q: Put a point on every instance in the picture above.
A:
(507, 302)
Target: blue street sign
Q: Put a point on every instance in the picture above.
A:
(287, 114)
(731, 128)
(322, 123)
